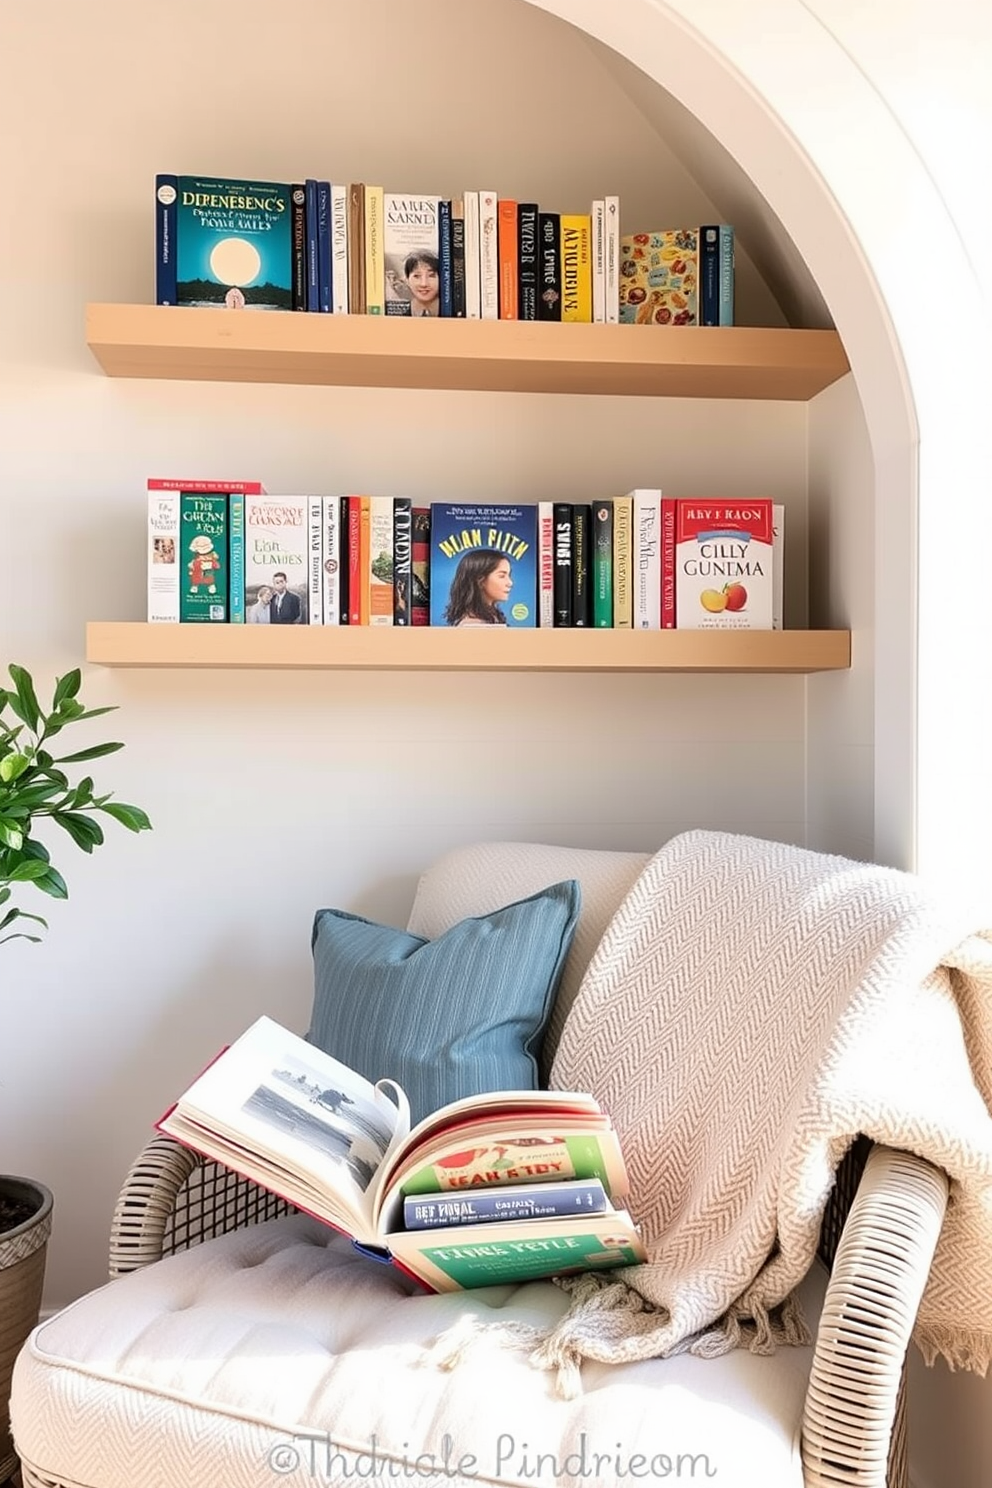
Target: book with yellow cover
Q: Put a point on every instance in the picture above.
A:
(576, 266)
(375, 261)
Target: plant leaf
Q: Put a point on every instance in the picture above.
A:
(84, 831)
(20, 935)
(28, 870)
(13, 765)
(66, 687)
(131, 817)
(96, 751)
(28, 708)
(53, 884)
(96, 713)
(11, 834)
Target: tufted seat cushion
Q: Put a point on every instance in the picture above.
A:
(279, 1352)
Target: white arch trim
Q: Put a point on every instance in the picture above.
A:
(803, 118)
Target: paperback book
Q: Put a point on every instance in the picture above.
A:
(282, 587)
(724, 567)
(224, 243)
(483, 565)
(281, 1112)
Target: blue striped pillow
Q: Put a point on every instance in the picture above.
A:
(449, 1017)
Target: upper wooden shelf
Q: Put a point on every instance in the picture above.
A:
(382, 648)
(482, 355)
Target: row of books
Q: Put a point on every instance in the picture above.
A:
(228, 552)
(360, 250)
(501, 1187)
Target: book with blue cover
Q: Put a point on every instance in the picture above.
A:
(233, 244)
(483, 564)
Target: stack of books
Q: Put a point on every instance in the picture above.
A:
(501, 1187)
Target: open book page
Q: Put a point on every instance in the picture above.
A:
(290, 1117)
(535, 1146)
(524, 1250)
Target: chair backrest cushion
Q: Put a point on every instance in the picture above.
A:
(476, 880)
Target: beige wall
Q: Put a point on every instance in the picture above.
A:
(274, 793)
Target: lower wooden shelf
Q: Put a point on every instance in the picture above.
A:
(375, 648)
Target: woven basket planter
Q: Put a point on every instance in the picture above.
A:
(22, 1272)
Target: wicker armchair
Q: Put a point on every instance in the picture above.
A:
(878, 1239)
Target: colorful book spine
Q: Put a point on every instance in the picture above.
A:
(339, 250)
(380, 560)
(446, 275)
(525, 1201)
(313, 247)
(354, 559)
(330, 560)
(726, 274)
(236, 557)
(612, 214)
(549, 281)
(563, 563)
(646, 559)
(507, 251)
(402, 560)
(458, 309)
(545, 563)
(581, 564)
(356, 248)
(576, 267)
(344, 613)
(602, 565)
(599, 260)
(298, 196)
(164, 583)
(365, 560)
(489, 254)
(420, 564)
(528, 260)
(473, 282)
(375, 264)
(166, 245)
(204, 545)
(324, 247)
(709, 275)
(623, 612)
(668, 616)
(315, 560)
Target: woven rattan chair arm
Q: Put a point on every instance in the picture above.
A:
(146, 1204)
(878, 1276)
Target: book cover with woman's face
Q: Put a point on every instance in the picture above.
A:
(483, 564)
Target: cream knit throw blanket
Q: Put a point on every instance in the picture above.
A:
(749, 1010)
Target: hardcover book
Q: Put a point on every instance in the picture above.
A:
(411, 247)
(165, 555)
(576, 267)
(234, 244)
(277, 560)
(659, 278)
(724, 565)
(483, 565)
(380, 560)
(288, 1116)
(520, 1201)
(420, 566)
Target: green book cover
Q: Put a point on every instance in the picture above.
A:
(203, 539)
(518, 1158)
(234, 244)
(516, 1251)
(602, 565)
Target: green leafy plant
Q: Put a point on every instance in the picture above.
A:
(34, 786)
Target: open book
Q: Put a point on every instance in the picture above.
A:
(281, 1112)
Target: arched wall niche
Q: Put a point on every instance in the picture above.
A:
(779, 85)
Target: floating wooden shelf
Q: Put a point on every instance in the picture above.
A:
(483, 355)
(373, 648)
